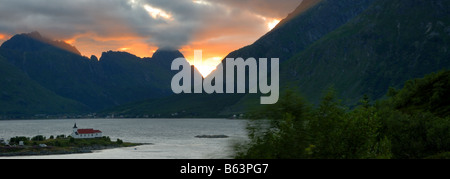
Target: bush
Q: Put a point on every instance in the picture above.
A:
(283, 135)
(106, 138)
(412, 122)
(17, 139)
(38, 138)
(71, 140)
(119, 141)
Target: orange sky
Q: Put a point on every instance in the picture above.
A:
(215, 45)
(4, 37)
(217, 27)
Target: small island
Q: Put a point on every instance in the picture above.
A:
(80, 141)
(39, 145)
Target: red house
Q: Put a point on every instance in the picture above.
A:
(85, 133)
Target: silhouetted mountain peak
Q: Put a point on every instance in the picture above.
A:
(115, 79)
(94, 58)
(34, 34)
(165, 57)
(117, 55)
(167, 54)
(34, 41)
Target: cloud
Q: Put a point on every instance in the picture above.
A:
(145, 23)
(268, 8)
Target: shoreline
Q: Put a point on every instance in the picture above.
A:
(51, 150)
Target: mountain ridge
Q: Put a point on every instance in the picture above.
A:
(238, 103)
(377, 45)
(358, 47)
(390, 43)
(115, 78)
(300, 31)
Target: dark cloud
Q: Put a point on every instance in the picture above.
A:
(65, 18)
(163, 23)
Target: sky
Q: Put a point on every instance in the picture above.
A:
(140, 27)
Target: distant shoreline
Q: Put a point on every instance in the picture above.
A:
(26, 119)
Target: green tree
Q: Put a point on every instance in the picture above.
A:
(363, 134)
(38, 138)
(17, 139)
(119, 141)
(278, 131)
(326, 127)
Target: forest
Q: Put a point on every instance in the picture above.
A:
(408, 123)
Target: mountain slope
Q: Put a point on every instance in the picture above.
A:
(22, 97)
(67, 74)
(391, 42)
(23, 42)
(116, 78)
(309, 22)
(181, 105)
(304, 6)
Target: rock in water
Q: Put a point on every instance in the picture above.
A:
(212, 136)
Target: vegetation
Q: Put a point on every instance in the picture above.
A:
(58, 145)
(389, 43)
(21, 96)
(178, 106)
(410, 123)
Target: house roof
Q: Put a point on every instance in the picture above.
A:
(88, 131)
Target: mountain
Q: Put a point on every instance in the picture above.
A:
(357, 47)
(65, 73)
(20, 96)
(391, 42)
(304, 6)
(311, 20)
(114, 79)
(160, 57)
(129, 78)
(34, 41)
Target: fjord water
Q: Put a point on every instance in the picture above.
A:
(169, 138)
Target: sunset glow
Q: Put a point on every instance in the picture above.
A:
(3, 37)
(124, 49)
(157, 13)
(141, 27)
(272, 24)
(208, 65)
(70, 41)
(201, 2)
